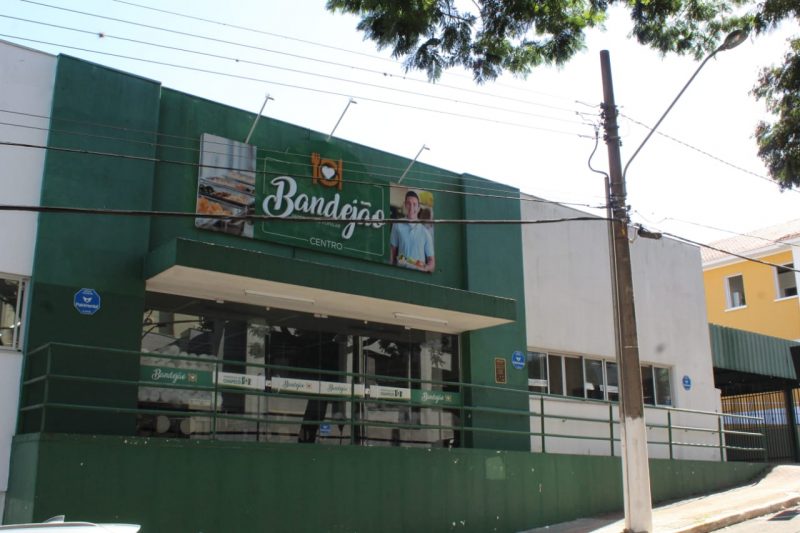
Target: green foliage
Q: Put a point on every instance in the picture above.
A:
(512, 35)
(779, 142)
(490, 37)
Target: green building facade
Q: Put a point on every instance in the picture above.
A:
(203, 362)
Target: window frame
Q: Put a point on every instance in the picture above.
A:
(603, 385)
(532, 381)
(550, 359)
(777, 273)
(654, 383)
(729, 305)
(18, 332)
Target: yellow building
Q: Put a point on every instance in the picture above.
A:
(751, 296)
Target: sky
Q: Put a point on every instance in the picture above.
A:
(703, 182)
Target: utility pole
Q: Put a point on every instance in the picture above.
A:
(635, 466)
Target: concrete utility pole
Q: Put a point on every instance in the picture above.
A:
(635, 467)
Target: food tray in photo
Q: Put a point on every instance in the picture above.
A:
(230, 182)
(225, 194)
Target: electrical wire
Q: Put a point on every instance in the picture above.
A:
(303, 72)
(764, 239)
(705, 153)
(338, 64)
(371, 56)
(594, 150)
(728, 252)
(395, 171)
(155, 160)
(269, 218)
(303, 219)
(453, 180)
(300, 87)
(268, 50)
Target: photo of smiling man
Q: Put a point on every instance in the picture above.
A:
(412, 242)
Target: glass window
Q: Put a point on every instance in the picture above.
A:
(787, 283)
(556, 377)
(663, 386)
(648, 389)
(734, 290)
(12, 292)
(573, 374)
(579, 377)
(537, 372)
(593, 369)
(285, 376)
(612, 380)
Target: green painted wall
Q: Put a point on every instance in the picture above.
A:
(476, 258)
(493, 263)
(218, 487)
(184, 118)
(101, 110)
(151, 138)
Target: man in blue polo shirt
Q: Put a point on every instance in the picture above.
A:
(411, 243)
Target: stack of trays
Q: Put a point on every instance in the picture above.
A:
(232, 194)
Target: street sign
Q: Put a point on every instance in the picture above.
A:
(325, 429)
(687, 383)
(87, 301)
(518, 360)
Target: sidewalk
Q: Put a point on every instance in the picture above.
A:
(778, 489)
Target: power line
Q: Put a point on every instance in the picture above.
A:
(371, 56)
(728, 252)
(299, 71)
(268, 218)
(705, 153)
(155, 160)
(771, 241)
(452, 180)
(303, 219)
(269, 50)
(254, 30)
(300, 87)
(338, 64)
(452, 177)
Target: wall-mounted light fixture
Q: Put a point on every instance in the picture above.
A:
(417, 318)
(275, 296)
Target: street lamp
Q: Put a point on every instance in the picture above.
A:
(633, 431)
(734, 39)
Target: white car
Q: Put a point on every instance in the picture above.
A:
(58, 525)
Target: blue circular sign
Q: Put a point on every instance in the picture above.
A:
(518, 360)
(87, 301)
(687, 382)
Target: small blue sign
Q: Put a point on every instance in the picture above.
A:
(518, 360)
(687, 383)
(87, 301)
(324, 429)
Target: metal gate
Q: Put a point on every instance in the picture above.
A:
(779, 425)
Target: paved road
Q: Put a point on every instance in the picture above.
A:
(787, 521)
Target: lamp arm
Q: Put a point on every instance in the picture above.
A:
(653, 129)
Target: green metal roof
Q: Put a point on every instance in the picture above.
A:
(744, 351)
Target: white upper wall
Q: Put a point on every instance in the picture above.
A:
(568, 302)
(671, 319)
(567, 282)
(26, 95)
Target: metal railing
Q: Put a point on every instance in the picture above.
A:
(202, 397)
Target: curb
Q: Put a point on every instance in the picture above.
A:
(731, 519)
